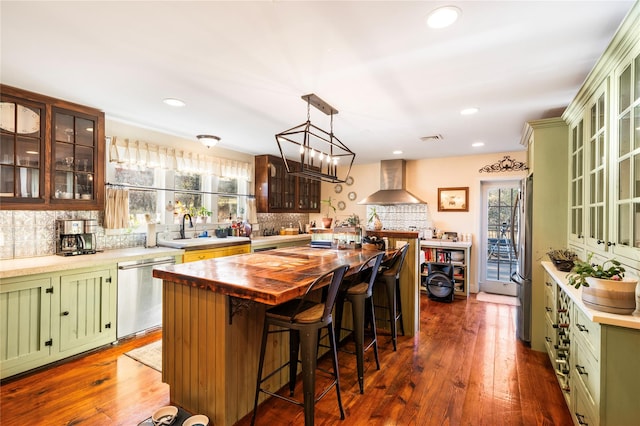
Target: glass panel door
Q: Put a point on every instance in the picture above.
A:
(498, 260)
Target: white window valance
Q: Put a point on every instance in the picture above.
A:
(144, 154)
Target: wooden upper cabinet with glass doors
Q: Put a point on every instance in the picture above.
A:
(280, 192)
(22, 127)
(52, 153)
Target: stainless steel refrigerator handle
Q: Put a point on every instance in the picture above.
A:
(513, 224)
(142, 265)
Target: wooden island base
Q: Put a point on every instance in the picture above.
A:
(212, 324)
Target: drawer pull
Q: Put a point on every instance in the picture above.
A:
(548, 284)
(582, 328)
(65, 313)
(548, 309)
(580, 369)
(581, 421)
(548, 339)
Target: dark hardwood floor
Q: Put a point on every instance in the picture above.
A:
(464, 368)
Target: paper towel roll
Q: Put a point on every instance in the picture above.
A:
(151, 235)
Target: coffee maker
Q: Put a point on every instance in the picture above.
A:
(75, 236)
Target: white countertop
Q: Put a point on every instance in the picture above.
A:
(434, 242)
(628, 321)
(36, 265)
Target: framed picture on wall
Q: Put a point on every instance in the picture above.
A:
(453, 199)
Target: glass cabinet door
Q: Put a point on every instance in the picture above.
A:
(576, 209)
(277, 175)
(74, 156)
(597, 172)
(21, 142)
(627, 198)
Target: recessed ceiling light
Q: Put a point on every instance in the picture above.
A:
(469, 111)
(174, 102)
(443, 16)
(397, 152)
(477, 144)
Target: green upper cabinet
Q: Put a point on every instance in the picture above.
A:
(604, 180)
(627, 160)
(597, 144)
(576, 193)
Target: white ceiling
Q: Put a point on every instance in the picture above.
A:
(242, 67)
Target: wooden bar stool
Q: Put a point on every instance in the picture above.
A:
(359, 291)
(302, 319)
(389, 276)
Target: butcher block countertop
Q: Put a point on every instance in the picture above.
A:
(270, 277)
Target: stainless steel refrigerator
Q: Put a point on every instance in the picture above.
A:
(521, 241)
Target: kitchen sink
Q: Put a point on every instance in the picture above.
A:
(202, 242)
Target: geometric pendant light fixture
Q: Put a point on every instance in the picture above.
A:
(312, 152)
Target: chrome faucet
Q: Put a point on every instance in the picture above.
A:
(182, 235)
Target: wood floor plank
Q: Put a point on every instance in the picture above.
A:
(465, 367)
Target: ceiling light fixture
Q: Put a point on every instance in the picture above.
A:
(318, 152)
(443, 16)
(469, 111)
(477, 144)
(208, 140)
(397, 152)
(174, 102)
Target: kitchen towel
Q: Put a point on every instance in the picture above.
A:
(116, 211)
(252, 217)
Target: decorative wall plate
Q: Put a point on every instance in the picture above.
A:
(352, 196)
(338, 188)
(341, 205)
(349, 181)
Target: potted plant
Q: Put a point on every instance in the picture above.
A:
(204, 214)
(326, 221)
(373, 217)
(604, 287)
(563, 259)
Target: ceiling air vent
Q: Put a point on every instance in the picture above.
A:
(432, 138)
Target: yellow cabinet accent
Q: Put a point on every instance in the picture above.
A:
(195, 255)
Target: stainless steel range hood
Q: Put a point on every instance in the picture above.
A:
(392, 186)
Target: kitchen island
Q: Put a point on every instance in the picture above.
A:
(213, 312)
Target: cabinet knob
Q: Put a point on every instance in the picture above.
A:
(609, 244)
(582, 328)
(580, 419)
(65, 313)
(600, 241)
(580, 369)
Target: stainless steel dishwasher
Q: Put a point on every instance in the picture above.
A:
(139, 295)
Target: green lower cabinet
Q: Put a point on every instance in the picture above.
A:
(87, 310)
(25, 325)
(49, 317)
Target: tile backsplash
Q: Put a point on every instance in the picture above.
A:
(32, 233)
